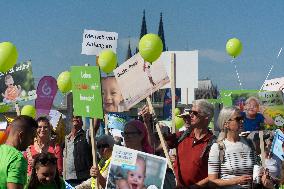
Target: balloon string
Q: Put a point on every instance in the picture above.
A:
(272, 66)
(232, 61)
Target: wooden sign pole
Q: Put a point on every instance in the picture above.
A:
(173, 90)
(262, 148)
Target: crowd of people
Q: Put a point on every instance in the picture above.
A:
(30, 157)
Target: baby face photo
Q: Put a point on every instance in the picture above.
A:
(112, 97)
(131, 169)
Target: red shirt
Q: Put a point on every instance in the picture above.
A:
(56, 150)
(193, 168)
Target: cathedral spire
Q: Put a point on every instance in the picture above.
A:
(129, 53)
(161, 32)
(143, 26)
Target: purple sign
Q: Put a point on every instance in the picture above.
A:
(46, 91)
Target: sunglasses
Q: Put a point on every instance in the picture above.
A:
(129, 134)
(237, 119)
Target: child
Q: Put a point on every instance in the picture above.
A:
(146, 68)
(252, 118)
(135, 178)
(112, 97)
(45, 173)
(12, 93)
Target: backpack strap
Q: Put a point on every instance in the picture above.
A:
(186, 133)
(211, 141)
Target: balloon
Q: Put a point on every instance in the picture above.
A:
(177, 111)
(64, 82)
(3, 137)
(8, 56)
(29, 110)
(4, 108)
(234, 47)
(179, 122)
(150, 47)
(107, 61)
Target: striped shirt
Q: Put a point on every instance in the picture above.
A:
(238, 160)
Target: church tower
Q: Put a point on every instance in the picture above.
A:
(161, 32)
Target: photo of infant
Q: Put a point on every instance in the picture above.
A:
(131, 169)
(112, 97)
(12, 92)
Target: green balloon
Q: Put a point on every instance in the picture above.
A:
(107, 61)
(4, 108)
(177, 111)
(8, 56)
(179, 122)
(64, 82)
(234, 47)
(150, 47)
(29, 110)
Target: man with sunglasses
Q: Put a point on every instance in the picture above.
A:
(77, 154)
(193, 146)
(13, 165)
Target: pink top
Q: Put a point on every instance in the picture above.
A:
(31, 152)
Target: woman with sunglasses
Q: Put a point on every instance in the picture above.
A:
(232, 158)
(45, 173)
(43, 143)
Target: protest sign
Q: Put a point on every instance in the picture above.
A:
(86, 89)
(46, 91)
(17, 84)
(126, 162)
(112, 97)
(167, 109)
(278, 144)
(276, 84)
(138, 79)
(96, 41)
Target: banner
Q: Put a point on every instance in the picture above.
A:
(138, 79)
(17, 84)
(126, 165)
(167, 109)
(278, 144)
(46, 92)
(276, 84)
(96, 41)
(86, 89)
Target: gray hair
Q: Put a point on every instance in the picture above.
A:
(225, 114)
(205, 107)
(252, 98)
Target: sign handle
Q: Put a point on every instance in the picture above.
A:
(173, 90)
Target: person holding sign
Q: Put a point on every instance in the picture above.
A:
(252, 118)
(13, 166)
(105, 146)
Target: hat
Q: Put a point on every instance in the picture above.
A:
(186, 112)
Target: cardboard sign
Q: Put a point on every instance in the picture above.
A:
(276, 84)
(138, 79)
(278, 144)
(126, 163)
(17, 84)
(86, 89)
(96, 41)
(46, 91)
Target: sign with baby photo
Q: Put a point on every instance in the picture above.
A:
(134, 169)
(138, 79)
(112, 97)
(86, 89)
(17, 84)
(278, 144)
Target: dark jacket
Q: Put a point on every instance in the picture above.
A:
(82, 155)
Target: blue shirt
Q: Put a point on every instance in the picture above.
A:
(252, 124)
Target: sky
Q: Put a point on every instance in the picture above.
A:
(50, 33)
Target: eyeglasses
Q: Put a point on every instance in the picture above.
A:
(252, 106)
(100, 146)
(43, 127)
(239, 119)
(130, 134)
